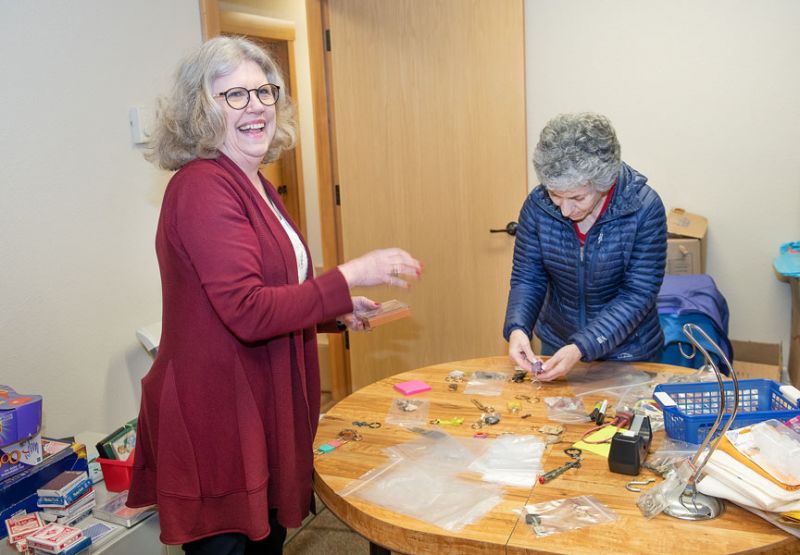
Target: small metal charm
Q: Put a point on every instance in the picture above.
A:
(367, 424)
(491, 418)
(455, 376)
(407, 405)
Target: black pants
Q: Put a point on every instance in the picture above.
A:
(239, 544)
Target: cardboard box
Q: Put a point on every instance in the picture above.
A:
(19, 492)
(686, 243)
(753, 360)
(684, 257)
(16, 457)
(20, 415)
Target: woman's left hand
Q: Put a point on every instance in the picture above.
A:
(560, 363)
(355, 321)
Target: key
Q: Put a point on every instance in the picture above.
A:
(544, 478)
(573, 453)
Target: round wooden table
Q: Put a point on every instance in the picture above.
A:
(502, 530)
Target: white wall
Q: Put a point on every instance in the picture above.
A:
(705, 97)
(78, 272)
(295, 11)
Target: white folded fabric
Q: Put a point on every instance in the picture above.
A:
(727, 478)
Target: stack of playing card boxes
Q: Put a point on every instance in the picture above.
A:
(20, 527)
(55, 538)
(66, 498)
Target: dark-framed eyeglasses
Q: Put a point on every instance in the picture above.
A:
(239, 97)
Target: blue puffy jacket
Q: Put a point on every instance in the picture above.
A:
(601, 297)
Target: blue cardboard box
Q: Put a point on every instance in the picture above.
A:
(19, 491)
(20, 415)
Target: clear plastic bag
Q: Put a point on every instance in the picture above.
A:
(638, 399)
(562, 515)
(569, 410)
(657, 498)
(408, 412)
(440, 450)
(430, 493)
(670, 454)
(603, 378)
(486, 383)
(511, 460)
(772, 446)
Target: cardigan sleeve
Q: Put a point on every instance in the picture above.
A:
(638, 292)
(211, 228)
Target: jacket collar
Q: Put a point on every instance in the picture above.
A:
(625, 200)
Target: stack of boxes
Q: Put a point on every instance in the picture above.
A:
(20, 527)
(27, 463)
(57, 539)
(686, 243)
(66, 498)
(20, 426)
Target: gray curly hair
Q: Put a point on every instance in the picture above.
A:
(575, 149)
(191, 124)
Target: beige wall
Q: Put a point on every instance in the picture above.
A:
(705, 97)
(79, 204)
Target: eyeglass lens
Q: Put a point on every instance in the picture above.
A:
(238, 97)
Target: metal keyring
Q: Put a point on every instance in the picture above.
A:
(573, 452)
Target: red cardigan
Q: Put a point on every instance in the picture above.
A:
(231, 404)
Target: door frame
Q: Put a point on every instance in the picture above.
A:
(327, 177)
(215, 22)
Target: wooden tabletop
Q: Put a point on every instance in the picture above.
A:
(501, 530)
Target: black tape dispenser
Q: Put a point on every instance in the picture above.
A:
(629, 447)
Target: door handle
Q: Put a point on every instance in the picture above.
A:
(511, 229)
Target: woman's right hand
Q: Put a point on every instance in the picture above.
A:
(384, 266)
(519, 349)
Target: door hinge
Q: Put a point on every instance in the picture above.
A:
(337, 195)
(328, 40)
(347, 341)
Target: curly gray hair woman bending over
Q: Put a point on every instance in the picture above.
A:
(589, 256)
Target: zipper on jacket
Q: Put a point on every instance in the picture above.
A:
(581, 291)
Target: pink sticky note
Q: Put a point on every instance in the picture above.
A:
(411, 387)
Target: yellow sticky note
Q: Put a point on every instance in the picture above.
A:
(601, 449)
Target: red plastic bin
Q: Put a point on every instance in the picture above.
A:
(117, 474)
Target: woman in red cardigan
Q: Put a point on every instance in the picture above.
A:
(230, 407)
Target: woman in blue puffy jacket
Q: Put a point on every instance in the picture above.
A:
(590, 253)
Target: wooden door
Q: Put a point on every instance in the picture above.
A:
(430, 144)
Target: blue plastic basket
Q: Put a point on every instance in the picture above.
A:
(690, 409)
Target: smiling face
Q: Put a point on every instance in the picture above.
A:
(578, 203)
(248, 132)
